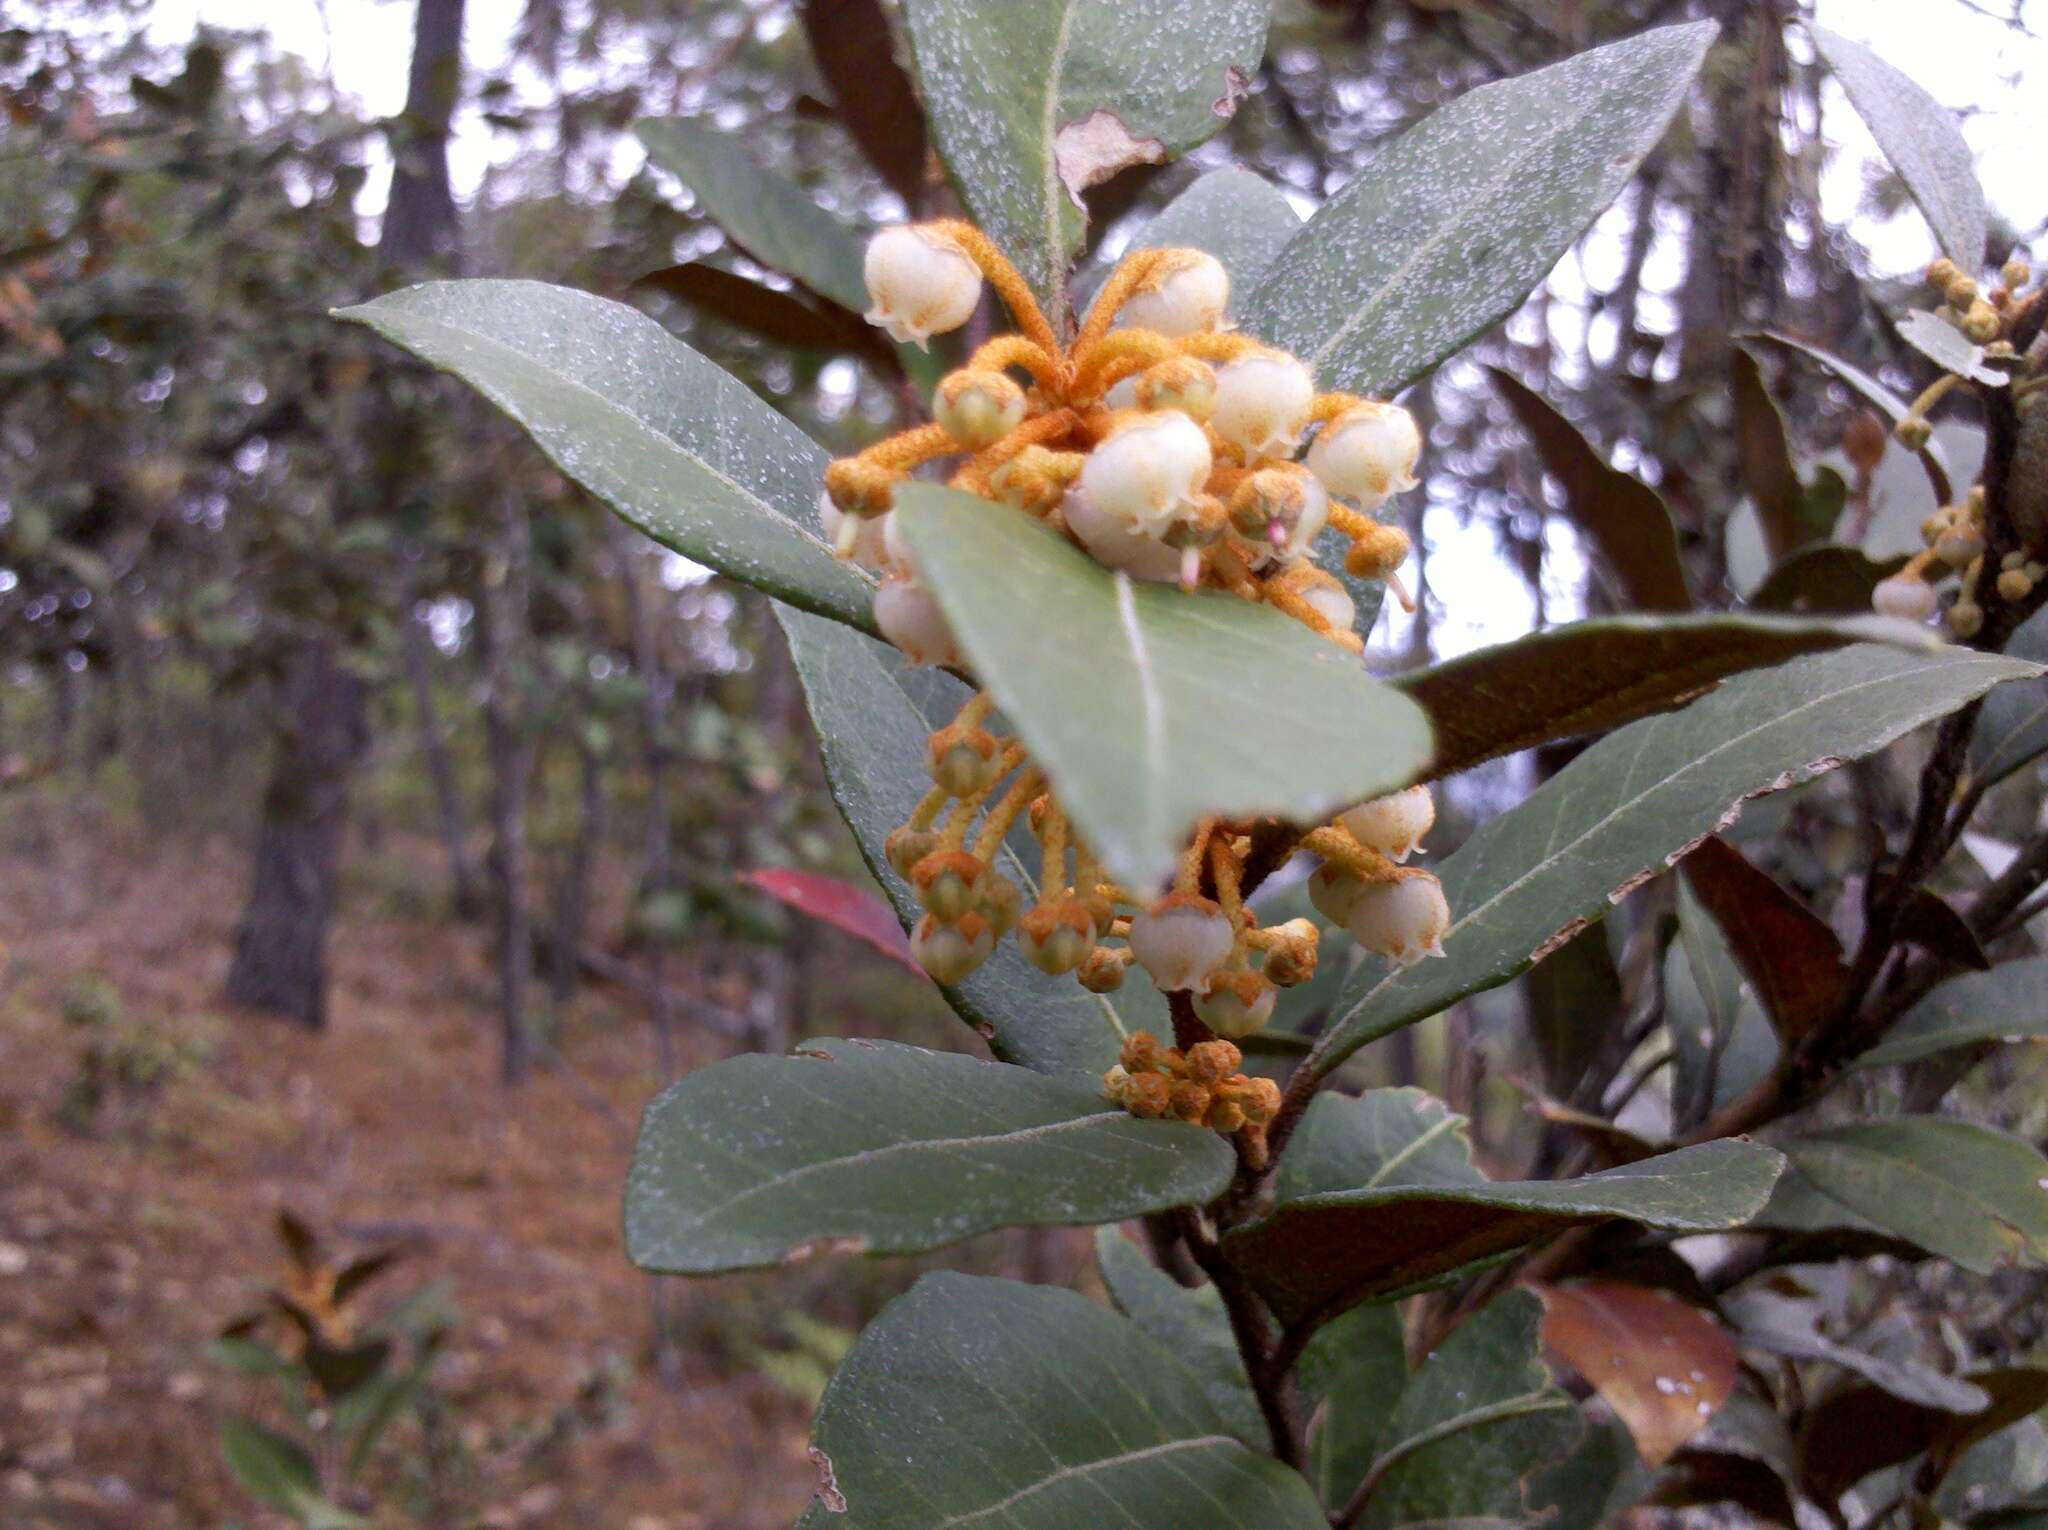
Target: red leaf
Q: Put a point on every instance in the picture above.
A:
(1664, 1367)
(1785, 949)
(840, 903)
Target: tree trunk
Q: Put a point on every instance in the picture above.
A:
(572, 894)
(419, 220)
(280, 960)
(656, 692)
(503, 610)
(440, 771)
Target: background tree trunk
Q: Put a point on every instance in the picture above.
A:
(280, 961)
(419, 221)
(503, 610)
(440, 770)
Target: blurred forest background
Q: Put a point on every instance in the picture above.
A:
(376, 813)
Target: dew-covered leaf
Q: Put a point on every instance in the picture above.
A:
(982, 1402)
(1624, 518)
(2008, 1003)
(1189, 1321)
(1033, 101)
(1592, 676)
(2012, 729)
(1948, 348)
(1378, 1195)
(674, 444)
(1633, 803)
(1664, 1367)
(769, 216)
(1472, 1426)
(873, 1147)
(873, 712)
(1921, 139)
(1966, 1192)
(1149, 709)
(1449, 227)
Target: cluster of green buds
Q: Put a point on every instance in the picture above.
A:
(1171, 449)
(1200, 1086)
(1955, 535)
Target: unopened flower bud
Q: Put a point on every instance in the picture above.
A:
(1323, 593)
(1185, 294)
(1913, 432)
(951, 951)
(1378, 554)
(1116, 1083)
(1117, 544)
(963, 760)
(1183, 941)
(1000, 904)
(1224, 1116)
(1056, 937)
(1035, 478)
(1103, 970)
(1959, 545)
(1259, 1098)
(906, 846)
(1905, 596)
(1149, 473)
(921, 281)
(1211, 1062)
(1393, 825)
(1149, 1095)
(978, 408)
(1966, 619)
(1262, 403)
(856, 538)
(1960, 292)
(1981, 324)
(1403, 921)
(1181, 383)
(1143, 1052)
(1368, 453)
(1941, 271)
(1189, 1101)
(1237, 1004)
(1333, 890)
(1863, 440)
(2014, 584)
(1293, 963)
(2016, 273)
(949, 883)
(909, 616)
(1280, 510)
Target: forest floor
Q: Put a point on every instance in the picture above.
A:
(132, 1230)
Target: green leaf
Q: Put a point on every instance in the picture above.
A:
(1947, 347)
(873, 712)
(1592, 676)
(2008, 1003)
(1189, 1322)
(1791, 956)
(1765, 456)
(677, 446)
(1921, 139)
(1355, 1367)
(1147, 708)
(1477, 1421)
(2012, 729)
(1888, 403)
(1721, 1042)
(1009, 1407)
(1824, 578)
(1033, 101)
(1859, 1429)
(768, 215)
(1378, 1196)
(1965, 1192)
(1634, 802)
(1449, 227)
(277, 1470)
(1625, 519)
(875, 1147)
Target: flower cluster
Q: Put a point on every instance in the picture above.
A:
(1955, 534)
(1200, 1086)
(1165, 445)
